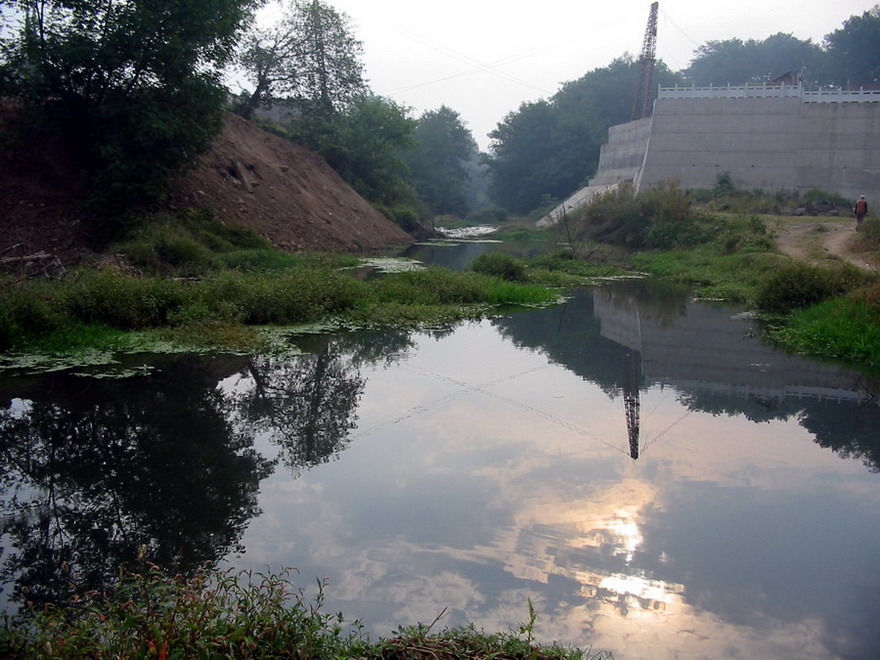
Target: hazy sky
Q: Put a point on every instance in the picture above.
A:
(483, 58)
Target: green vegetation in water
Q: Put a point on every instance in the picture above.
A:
(844, 328)
(238, 615)
(561, 269)
(101, 309)
(828, 310)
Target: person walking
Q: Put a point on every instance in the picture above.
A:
(861, 210)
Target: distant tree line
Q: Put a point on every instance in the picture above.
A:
(138, 88)
(547, 149)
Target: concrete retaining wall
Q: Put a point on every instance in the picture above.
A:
(773, 138)
(620, 159)
(770, 143)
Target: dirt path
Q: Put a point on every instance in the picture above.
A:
(820, 239)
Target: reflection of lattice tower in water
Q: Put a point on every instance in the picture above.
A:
(631, 403)
(645, 90)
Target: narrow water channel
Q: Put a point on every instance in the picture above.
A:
(644, 469)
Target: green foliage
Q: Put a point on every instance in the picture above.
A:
(441, 147)
(726, 197)
(501, 265)
(309, 55)
(842, 328)
(719, 274)
(135, 87)
(237, 615)
(739, 62)
(564, 261)
(854, 49)
(436, 286)
(488, 215)
(35, 314)
(552, 147)
(660, 218)
(193, 243)
(796, 284)
(362, 142)
(869, 234)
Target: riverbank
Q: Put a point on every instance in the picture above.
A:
(244, 615)
(812, 279)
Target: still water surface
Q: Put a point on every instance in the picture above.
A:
(643, 468)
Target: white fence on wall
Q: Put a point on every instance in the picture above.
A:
(771, 91)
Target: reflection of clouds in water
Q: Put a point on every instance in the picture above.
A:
(550, 510)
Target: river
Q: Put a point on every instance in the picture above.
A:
(646, 471)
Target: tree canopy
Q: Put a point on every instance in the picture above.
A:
(854, 50)
(547, 149)
(309, 55)
(739, 62)
(442, 147)
(137, 84)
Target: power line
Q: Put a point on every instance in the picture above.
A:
(476, 65)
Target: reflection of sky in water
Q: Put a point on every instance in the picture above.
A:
(481, 475)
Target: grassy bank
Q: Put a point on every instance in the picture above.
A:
(246, 615)
(98, 307)
(716, 242)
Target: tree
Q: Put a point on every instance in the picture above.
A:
(548, 149)
(854, 50)
(438, 159)
(738, 62)
(134, 84)
(310, 55)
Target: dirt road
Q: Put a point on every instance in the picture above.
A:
(821, 238)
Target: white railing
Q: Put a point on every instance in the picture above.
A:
(770, 91)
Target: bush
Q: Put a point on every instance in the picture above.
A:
(499, 264)
(797, 284)
(126, 303)
(659, 218)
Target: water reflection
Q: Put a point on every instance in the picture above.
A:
(93, 470)
(642, 334)
(478, 467)
(97, 472)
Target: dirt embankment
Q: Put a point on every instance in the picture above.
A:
(250, 177)
(285, 192)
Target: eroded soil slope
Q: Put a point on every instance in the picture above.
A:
(284, 192)
(281, 190)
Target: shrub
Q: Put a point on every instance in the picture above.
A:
(499, 264)
(798, 284)
(123, 302)
(658, 218)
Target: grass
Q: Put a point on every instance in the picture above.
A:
(238, 615)
(721, 243)
(845, 329)
(733, 277)
(99, 306)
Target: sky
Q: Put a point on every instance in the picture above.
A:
(483, 58)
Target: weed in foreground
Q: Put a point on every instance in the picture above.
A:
(237, 615)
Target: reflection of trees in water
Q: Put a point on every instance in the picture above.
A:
(94, 470)
(308, 404)
(850, 428)
(572, 335)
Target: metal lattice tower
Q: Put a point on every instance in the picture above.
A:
(645, 91)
